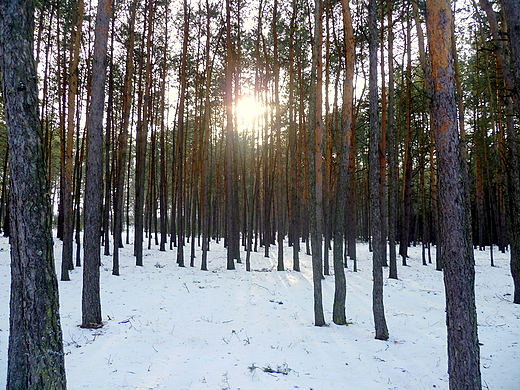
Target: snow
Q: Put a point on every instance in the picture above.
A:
(167, 327)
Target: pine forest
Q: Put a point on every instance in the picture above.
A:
(291, 130)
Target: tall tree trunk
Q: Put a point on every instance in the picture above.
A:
(122, 141)
(180, 140)
(425, 66)
(163, 183)
(141, 141)
(108, 148)
(91, 301)
(35, 356)
(80, 155)
(316, 187)
(454, 216)
(511, 11)
(382, 150)
(205, 174)
(338, 313)
(407, 166)
(327, 146)
(294, 152)
(392, 150)
(352, 229)
(232, 232)
(278, 130)
(68, 215)
(381, 329)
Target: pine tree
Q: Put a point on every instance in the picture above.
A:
(91, 300)
(454, 216)
(35, 356)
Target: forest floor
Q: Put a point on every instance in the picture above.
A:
(173, 328)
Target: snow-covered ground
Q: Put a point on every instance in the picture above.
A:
(175, 328)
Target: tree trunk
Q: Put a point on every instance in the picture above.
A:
(407, 166)
(278, 155)
(511, 11)
(315, 158)
(340, 292)
(294, 151)
(454, 217)
(105, 225)
(180, 141)
(122, 141)
(381, 329)
(232, 233)
(141, 140)
(163, 183)
(205, 174)
(91, 301)
(35, 356)
(392, 151)
(68, 215)
(382, 151)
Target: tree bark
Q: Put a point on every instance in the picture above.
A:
(381, 329)
(231, 198)
(68, 215)
(163, 183)
(315, 158)
(294, 151)
(392, 151)
(91, 300)
(278, 131)
(205, 174)
(454, 217)
(35, 356)
(407, 165)
(180, 140)
(511, 11)
(340, 292)
(123, 141)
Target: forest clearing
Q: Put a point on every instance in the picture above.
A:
(171, 328)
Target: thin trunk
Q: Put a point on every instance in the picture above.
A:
(278, 155)
(163, 183)
(180, 140)
(407, 166)
(141, 141)
(232, 233)
(338, 314)
(316, 140)
(382, 150)
(204, 152)
(392, 150)
(122, 142)
(91, 300)
(381, 330)
(293, 149)
(68, 215)
(108, 149)
(327, 148)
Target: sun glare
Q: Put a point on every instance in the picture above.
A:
(248, 110)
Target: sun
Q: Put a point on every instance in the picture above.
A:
(248, 109)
